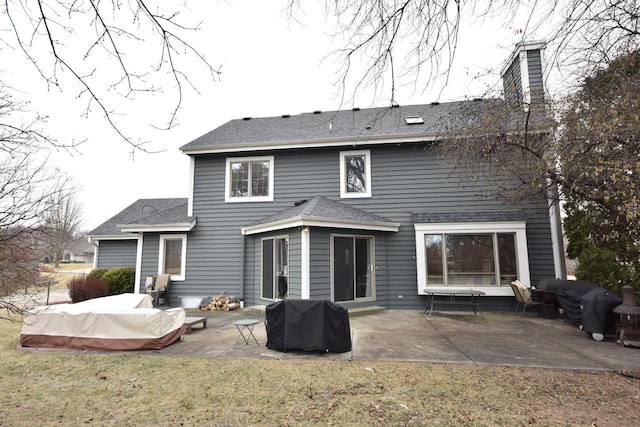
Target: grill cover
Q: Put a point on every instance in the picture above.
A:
(597, 311)
(308, 325)
(569, 294)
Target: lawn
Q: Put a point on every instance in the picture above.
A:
(73, 388)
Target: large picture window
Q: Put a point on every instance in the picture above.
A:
(173, 250)
(249, 179)
(275, 267)
(468, 255)
(355, 174)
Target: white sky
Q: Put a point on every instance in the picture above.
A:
(269, 67)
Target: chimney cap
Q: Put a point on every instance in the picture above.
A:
(522, 46)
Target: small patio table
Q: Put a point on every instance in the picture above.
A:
(470, 297)
(245, 327)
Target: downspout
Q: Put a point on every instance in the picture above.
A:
(136, 289)
(305, 267)
(242, 258)
(555, 221)
(96, 244)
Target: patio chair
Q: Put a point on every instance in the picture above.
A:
(162, 289)
(525, 298)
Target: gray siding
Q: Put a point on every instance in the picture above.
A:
(536, 79)
(117, 253)
(406, 179)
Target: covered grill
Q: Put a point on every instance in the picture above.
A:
(308, 325)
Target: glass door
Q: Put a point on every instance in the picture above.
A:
(352, 268)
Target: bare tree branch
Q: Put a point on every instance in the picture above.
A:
(142, 44)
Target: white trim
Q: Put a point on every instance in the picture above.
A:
(136, 288)
(192, 180)
(274, 283)
(343, 174)
(301, 221)
(227, 180)
(305, 267)
(524, 77)
(158, 228)
(522, 254)
(557, 244)
(123, 236)
(372, 265)
(183, 261)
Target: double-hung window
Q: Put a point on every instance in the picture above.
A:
(468, 255)
(173, 255)
(249, 179)
(355, 174)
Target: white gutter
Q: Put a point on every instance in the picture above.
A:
(320, 222)
(143, 228)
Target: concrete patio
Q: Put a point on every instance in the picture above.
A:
(409, 335)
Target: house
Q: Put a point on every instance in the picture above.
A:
(79, 251)
(355, 207)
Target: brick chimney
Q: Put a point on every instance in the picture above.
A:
(522, 74)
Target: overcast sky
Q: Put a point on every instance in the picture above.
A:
(270, 66)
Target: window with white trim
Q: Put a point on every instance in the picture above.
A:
(249, 179)
(173, 256)
(468, 255)
(355, 174)
(275, 267)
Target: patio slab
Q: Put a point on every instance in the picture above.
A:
(444, 337)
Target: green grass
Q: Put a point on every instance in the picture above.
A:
(74, 388)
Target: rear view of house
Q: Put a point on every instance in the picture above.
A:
(358, 207)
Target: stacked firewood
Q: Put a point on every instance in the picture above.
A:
(221, 302)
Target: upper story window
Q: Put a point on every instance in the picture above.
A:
(249, 179)
(355, 174)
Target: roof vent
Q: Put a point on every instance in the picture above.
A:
(435, 103)
(317, 112)
(300, 202)
(246, 118)
(148, 210)
(286, 116)
(414, 120)
(356, 108)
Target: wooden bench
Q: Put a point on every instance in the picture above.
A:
(190, 321)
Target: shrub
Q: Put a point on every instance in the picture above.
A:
(98, 272)
(120, 280)
(86, 287)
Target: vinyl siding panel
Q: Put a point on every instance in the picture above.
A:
(117, 253)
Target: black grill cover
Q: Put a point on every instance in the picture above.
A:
(308, 325)
(569, 294)
(597, 311)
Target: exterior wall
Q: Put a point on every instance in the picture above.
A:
(406, 179)
(117, 253)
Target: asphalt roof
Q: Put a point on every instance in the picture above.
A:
(146, 212)
(436, 120)
(320, 208)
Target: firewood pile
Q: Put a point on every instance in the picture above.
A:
(221, 303)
